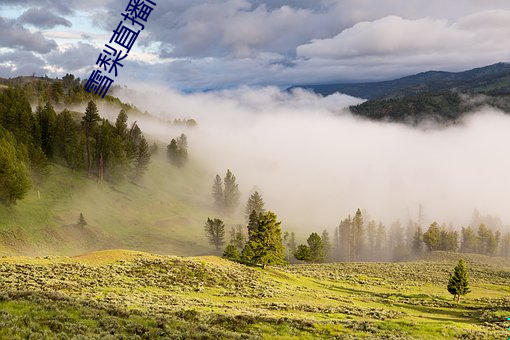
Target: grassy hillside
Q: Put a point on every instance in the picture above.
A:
(165, 213)
(114, 294)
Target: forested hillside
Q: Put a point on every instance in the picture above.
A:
(72, 181)
(443, 97)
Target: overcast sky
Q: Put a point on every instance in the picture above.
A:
(198, 44)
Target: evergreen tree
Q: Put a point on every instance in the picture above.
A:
(470, 243)
(121, 124)
(266, 241)
(237, 237)
(316, 247)
(16, 115)
(371, 238)
(89, 122)
(381, 241)
(143, 158)
(487, 240)
(231, 192)
(253, 225)
(14, 176)
(247, 254)
(336, 245)
(154, 149)
(81, 220)
(46, 119)
(255, 203)
(432, 237)
(67, 140)
(326, 243)
(505, 245)
(357, 234)
(345, 231)
(303, 253)
(458, 284)
(215, 230)
(217, 193)
(177, 151)
(232, 253)
(418, 241)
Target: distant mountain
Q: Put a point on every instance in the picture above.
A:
(493, 79)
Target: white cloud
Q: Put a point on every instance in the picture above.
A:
(484, 37)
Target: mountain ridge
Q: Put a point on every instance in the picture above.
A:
(491, 78)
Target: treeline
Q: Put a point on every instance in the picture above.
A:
(357, 240)
(60, 92)
(443, 107)
(30, 140)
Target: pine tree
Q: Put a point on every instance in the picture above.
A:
(231, 192)
(81, 220)
(46, 118)
(14, 175)
(326, 243)
(505, 245)
(255, 203)
(215, 231)
(357, 234)
(303, 253)
(67, 139)
(316, 247)
(237, 237)
(458, 284)
(371, 238)
(345, 233)
(266, 241)
(247, 254)
(217, 193)
(432, 237)
(289, 240)
(121, 126)
(470, 243)
(232, 253)
(381, 240)
(418, 241)
(143, 158)
(253, 225)
(89, 122)
(177, 151)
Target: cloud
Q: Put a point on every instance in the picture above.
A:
(416, 45)
(74, 57)
(15, 36)
(42, 18)
(21, 62)
(224, 43)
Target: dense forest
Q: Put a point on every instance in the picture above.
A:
(443, 97)
(444, 107)
(84, 142)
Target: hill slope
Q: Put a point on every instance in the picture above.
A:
(132, 294)
(164, 213)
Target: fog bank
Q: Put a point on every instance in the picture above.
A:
(315, 163)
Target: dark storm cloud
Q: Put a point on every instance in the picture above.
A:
(74, 58)
(40, 17)
(60, 6)
(22, 63)
(16, 36)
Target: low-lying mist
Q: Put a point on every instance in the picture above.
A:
(315, 163)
